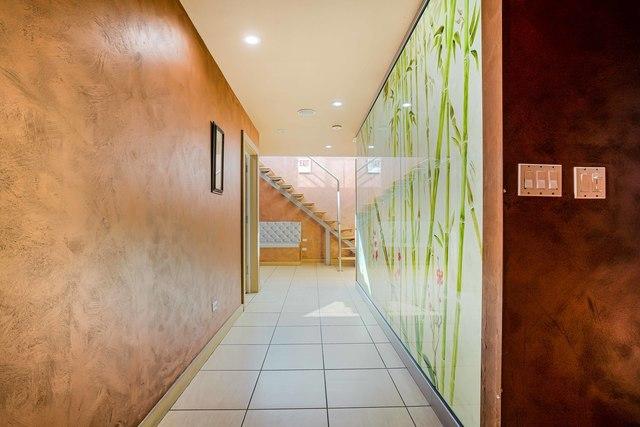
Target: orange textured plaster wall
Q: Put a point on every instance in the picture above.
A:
(111, 245)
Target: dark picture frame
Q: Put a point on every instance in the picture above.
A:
(217, 159)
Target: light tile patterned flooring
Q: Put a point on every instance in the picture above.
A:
(306, 352)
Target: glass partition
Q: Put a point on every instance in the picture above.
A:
(419, 201)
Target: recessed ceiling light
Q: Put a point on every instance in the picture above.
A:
(337, 103)
(306, 112)
(336, 127)
(281, 130)
(371, 146)
(406, 104)
(252, 39)
(328, 146)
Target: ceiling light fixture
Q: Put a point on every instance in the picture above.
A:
(252, 39)
(328, 146)
(306, 112)
(281, 130)
(336, 127)
(337, 103)
(371, 146)
(406, 105)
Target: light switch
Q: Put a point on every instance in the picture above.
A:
(589, 182)
(539, 180)
(528, 179)
(553, 179)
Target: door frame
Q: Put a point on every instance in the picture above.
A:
(249, 217)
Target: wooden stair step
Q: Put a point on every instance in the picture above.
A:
(308, 204)
(276, 178)
(264, 169)
(298, 195)
(348, 258)
(344, 230)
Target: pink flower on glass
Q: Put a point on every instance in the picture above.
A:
(439, 276)
(399, 257)
(375, 254)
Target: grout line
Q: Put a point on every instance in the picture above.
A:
(303, 369)
(297, 408)
(324, 367)
(392, 381)
(263, 361)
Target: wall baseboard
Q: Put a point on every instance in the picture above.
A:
(165, 403)
(437, 403)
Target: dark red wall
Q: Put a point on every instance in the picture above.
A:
(571, 343)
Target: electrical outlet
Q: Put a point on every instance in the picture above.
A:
(214, 305)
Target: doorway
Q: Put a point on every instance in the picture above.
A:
(250, 255)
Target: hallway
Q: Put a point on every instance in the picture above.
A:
(306, 352)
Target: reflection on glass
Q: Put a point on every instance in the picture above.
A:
(217, 159)
(419, 207)
(219, 147)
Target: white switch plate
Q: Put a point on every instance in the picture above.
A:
(214, 306)
(589, 182)
(535, 180)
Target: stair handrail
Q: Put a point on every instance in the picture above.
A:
(337, 209)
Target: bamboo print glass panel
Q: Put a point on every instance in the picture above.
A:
(419, 217)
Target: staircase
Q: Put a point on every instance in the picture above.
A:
(347, 235)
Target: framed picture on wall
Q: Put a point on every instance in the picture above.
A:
(217, 159)
(374, 166)
(304, 165)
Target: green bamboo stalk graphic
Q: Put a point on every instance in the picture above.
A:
(464, 146)
(444, 103)
(447, 209)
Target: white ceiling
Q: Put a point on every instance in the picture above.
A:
(312, 52)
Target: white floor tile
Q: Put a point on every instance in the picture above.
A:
(409, 391)
(202, 419)
(351, 356)
(377, 334)
(297, 335)
(257, 319)
(337, 307)
(345, 335)
(341, 319)
(361, 388)
(368, 318)
(289, 390)
(301, 308)
(389, 356)
(299, 319)
(286, 418)
(424, 417)
(298, 356)
(263, 307)
(370, 417)
(249, 335)
(218, 390)
(236, 357)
